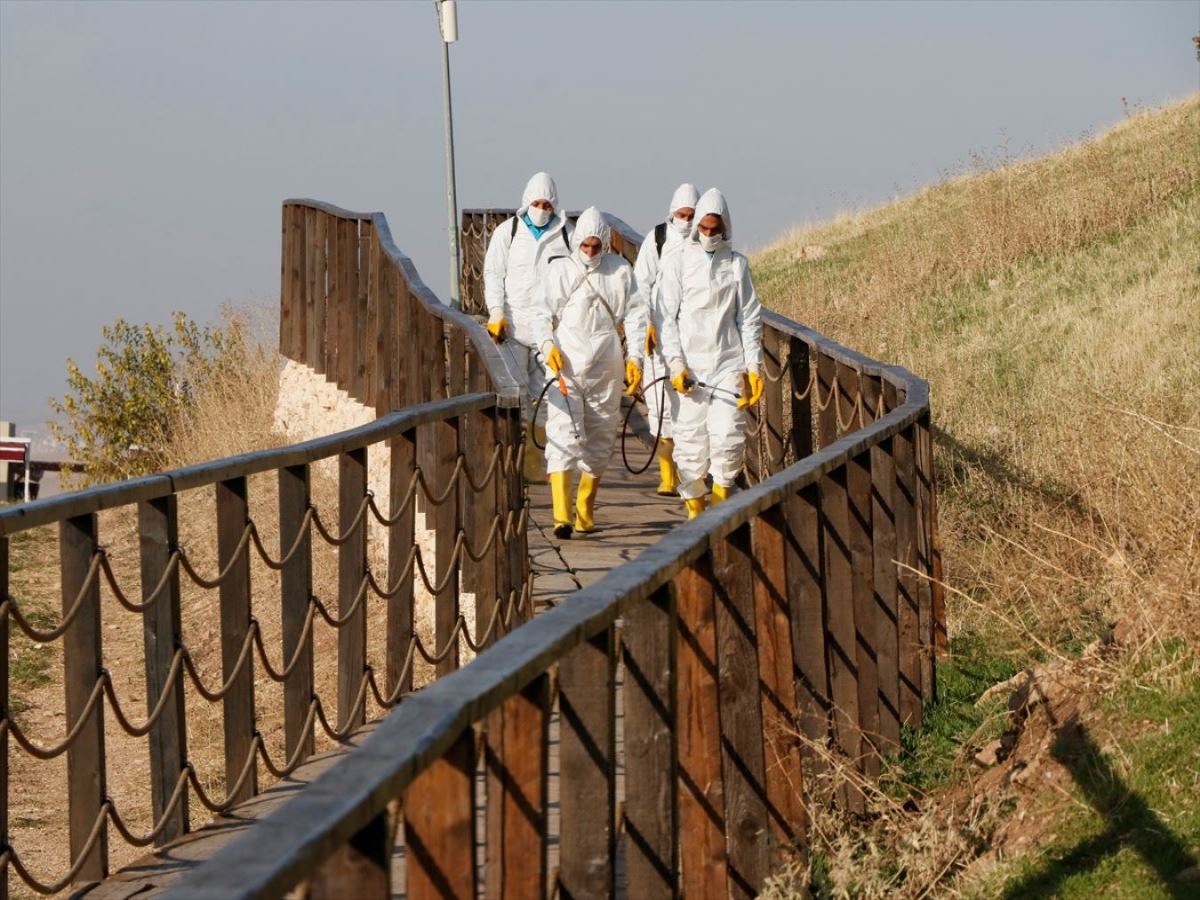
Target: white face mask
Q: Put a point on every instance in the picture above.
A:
(538, 216)
(589, 262)
(683, 226)
(710, 244)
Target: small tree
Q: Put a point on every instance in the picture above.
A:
(117, 423)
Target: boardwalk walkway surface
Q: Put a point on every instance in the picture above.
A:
(629, 518)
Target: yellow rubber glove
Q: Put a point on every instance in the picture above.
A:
(498, 329)
(756, 391)
(651, 339)
(683, 382)
(554, 359)
(633, 377)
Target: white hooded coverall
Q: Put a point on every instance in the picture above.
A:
(514, 262)
(712, 327)
(579, 312)
(649, 264)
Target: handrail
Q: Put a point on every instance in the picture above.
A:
(151, 487)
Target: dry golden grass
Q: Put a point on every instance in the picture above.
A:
(1054, 306)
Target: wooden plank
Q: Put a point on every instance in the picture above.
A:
(406, 355)
(400, 570)
(347, 298)
(366, 240)
(743, 769)
(842, 653)
(518, 546)
(352, 570)
(295, 597)
(158, 533)
(297, 275)
(516, 760)
(385, 337)
(826, 404)
(476, 452)
(651, 801)
(702, 855)
(439, 825)
(7, 705)
(311, 309)
(587, 769)
(799, 379)
(780, 718)
(883, 542)
(286, 311)
(82, 662)
(806, 578)
(847, 399)
(862, 561)
(772, 400)
(332, 298)
(924, 484)
(316, 330)
(398, 339)
(239, 727)
(456, 360)
(375, 287)
(361, 869)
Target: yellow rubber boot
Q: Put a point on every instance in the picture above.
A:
(695, 506)
(560, 498)
(534, 468)
(585, 504)
(720, 494)
(668, 475)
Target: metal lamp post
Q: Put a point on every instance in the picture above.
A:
(448, 22)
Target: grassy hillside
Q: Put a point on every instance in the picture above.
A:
(1054, 306)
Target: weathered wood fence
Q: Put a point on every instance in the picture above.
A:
(804, 611)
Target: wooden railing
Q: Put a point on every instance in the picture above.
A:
(803, 613)
(352, 306)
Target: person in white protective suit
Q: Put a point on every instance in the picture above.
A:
(584, 298)
(519, 250)
(665, 240)
(712, 338)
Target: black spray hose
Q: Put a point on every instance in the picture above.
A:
(662, 401)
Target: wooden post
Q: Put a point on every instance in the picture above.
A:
(297, 276)
(743, 770)
(439, 826)
(702, 855)
(311, 311)
(848, 389)
(366, 240)
(405, 356)
(352, 570)
(518, 575)
(5, 705)
(800, 369)
(806, 580)
(883, 542)
(400, 570)
(842, 654)
(518, 740)
(772, 402)
(587, 769)
(295, 598)
(371, 347)
(904, 500)
(362, 869)
(922, 451)
(286, 312)
(348, 297)
(780, 720)
(82, 661)
(827, 427)
(332, 297)
(158, 538)
(456, 350)
(234, 591)
(444, 451)
(316, 331)
(384, 398)
(651, 801)
(862, 562)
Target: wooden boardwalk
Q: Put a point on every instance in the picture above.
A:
(629, 518)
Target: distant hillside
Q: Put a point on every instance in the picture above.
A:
(1054, 306)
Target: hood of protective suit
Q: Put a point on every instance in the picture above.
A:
(540, 187)
(685, 195)
(591, 223)
(712, 202)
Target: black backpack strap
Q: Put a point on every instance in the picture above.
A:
(660, 237)
(516, 221)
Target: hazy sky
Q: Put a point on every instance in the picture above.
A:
(145, 147)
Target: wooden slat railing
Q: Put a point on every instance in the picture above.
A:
(804, 605)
